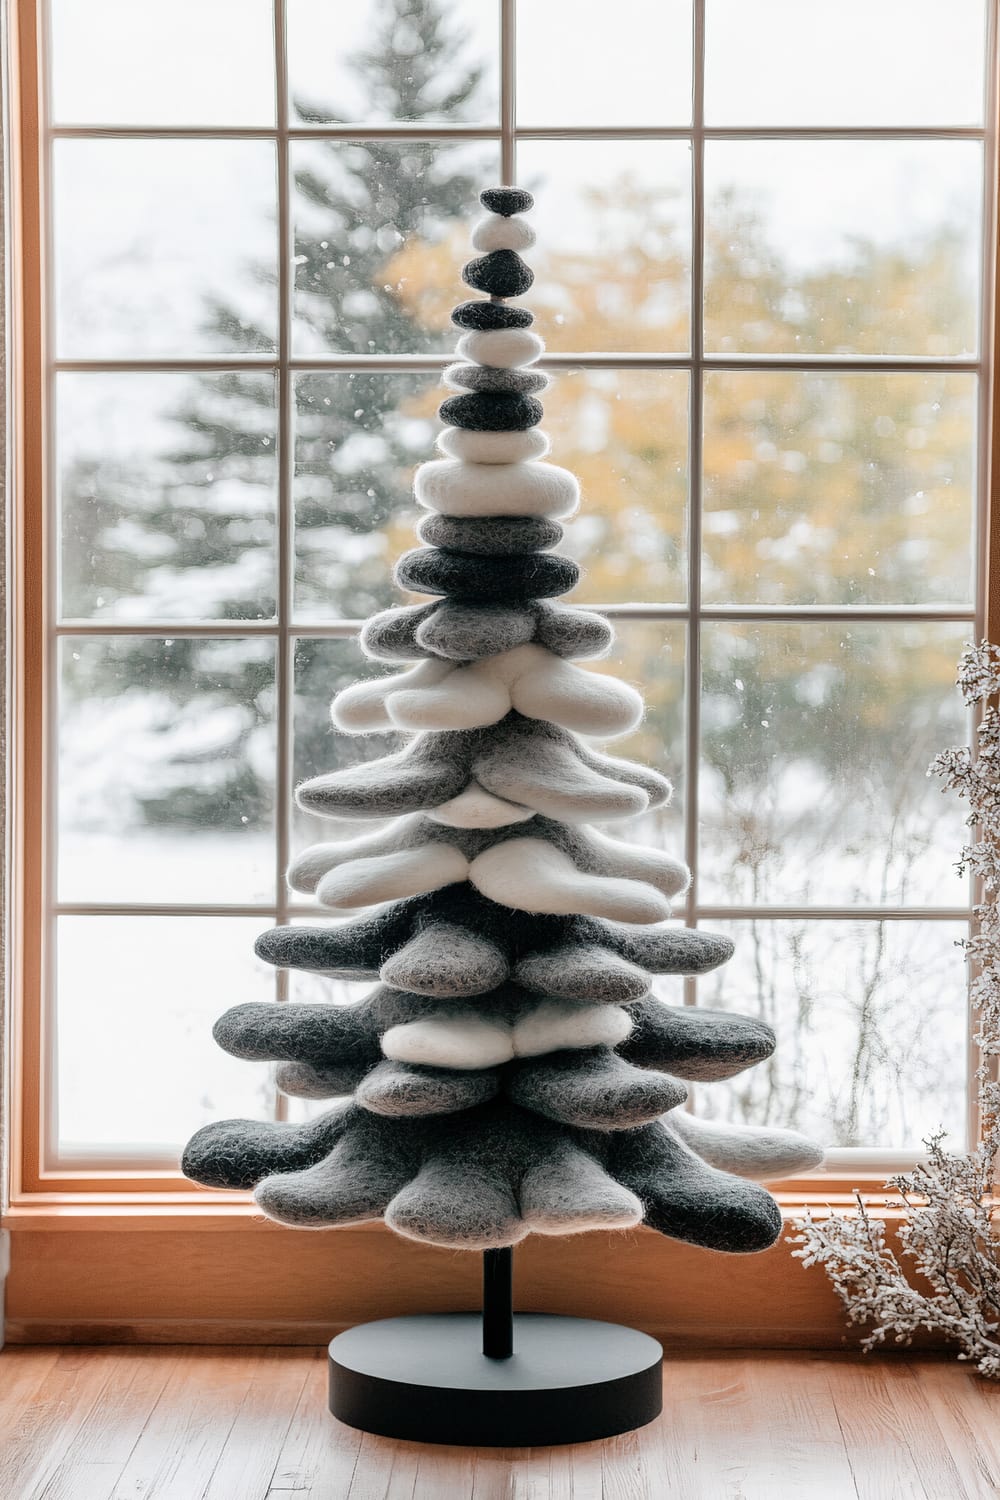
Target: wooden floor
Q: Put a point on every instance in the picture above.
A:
(152, 1422)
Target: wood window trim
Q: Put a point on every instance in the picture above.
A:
(161, 1227)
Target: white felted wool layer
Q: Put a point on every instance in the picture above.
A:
(558, 1024)
(759, 1152)
(392, 877)
(444, 1042)
(470, 1041)
(532, 875)
(455, 488)
(538, 684)
(308, 868)
(528, 678)
(502, 232)
(501, 348)
(493, 447)
(478, 808)
(360, 709)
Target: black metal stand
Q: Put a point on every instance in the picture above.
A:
(495, 1378)
(498, 1303)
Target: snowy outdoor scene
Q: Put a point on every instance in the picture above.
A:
(830, 487)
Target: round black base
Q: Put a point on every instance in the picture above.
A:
(425, 1379)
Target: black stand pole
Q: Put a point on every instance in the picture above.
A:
(498, 1303)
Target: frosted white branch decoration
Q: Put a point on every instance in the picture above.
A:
(946, 1276)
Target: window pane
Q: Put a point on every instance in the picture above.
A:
(192, 62)
(871, 1023)
(839, 489)
(650, 656)
(652, 86)
(167, 494)
(898, 62)
(624, 433)
(612, 263)
(381, 232)
(370, 61)
(166, 770)
(138, 1069)
(164, 247)
(815, 742)
(358, 438)
(824, 246)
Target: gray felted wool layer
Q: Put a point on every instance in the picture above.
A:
(499, 273)
(764, 1153)
(523, 761)
(484, 315)
(512, 382)
(495, 536)
(497, 579)
(468, 632)
(391, 635)
(593, 1089)
(482, 1188)
(692, 1042)
(572, 632)
(507, 1172)
(395, 1088)
(454, 942)
(302, 1081)
(491, 411)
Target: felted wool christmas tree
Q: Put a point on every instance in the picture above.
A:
(512, 1071)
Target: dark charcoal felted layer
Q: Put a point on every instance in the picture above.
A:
(491, 413)
(507, 200)
(238, 1153)
(429, 570)
(455, 942)
(593, 1089)
(512, 382)
(706, 1045)
(500, 536)
(686, 1199)
(486, 1185)
(500, 273)
(483, 316)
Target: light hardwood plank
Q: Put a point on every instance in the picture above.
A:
(251, 1450)
(881, 1436)
(94, 1461)
(967, 1411)
(188, 1426)
(318, 1455)
(56, 1409)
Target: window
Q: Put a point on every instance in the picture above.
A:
(764, 275)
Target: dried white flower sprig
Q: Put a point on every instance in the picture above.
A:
(948, 1234)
